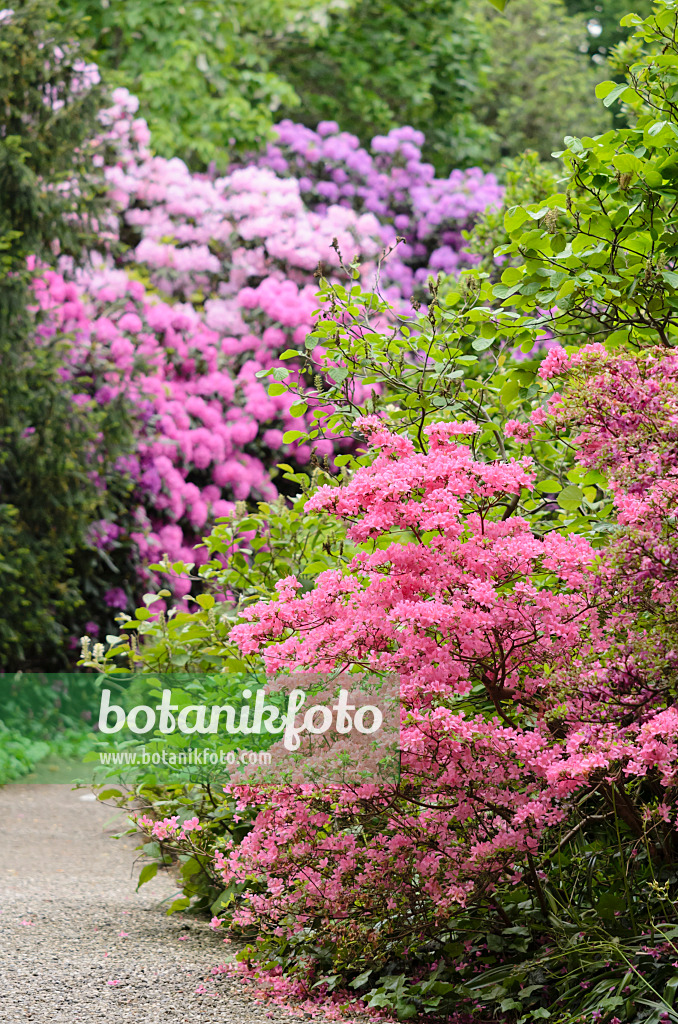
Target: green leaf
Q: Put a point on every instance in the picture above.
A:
(671, 989)
(514, 216)
(570, 498)
(613, 94)
(653, 177)
(502, 291)
(361, 979)
(573, 144)
(298, 409)
(670, 277)
(605, 88)
(108, 793)
(276, 389)
(480, 344)
(499, 4)
(182, 903)
(509, 391)
(146, 874)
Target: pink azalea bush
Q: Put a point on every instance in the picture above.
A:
(536, 673)
(474, 607)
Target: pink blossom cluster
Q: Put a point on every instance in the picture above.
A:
(176, 375)
(625, 411)
(168, 828)
(239, 232)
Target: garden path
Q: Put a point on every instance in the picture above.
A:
(78, 945)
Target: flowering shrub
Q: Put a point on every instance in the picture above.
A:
(215, 283)
(537, 707)
(470, 610)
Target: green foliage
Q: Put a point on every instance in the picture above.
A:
(526, 180)
(605, 16)
(48, 447)
(539, 81)
(45, 117)
(18, 754)
(201, 885)
(47, 502)
(43, 716)
(212, 78)
(263, 546)
(600, 251)
(202, 71)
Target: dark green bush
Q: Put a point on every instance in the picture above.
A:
(540, 82)
(48, 445)
(604, 17)
(202, 70)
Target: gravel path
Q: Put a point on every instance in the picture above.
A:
(78, 945)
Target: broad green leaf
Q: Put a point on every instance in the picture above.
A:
(605, 88)
(514, 217)
(361, 979)
(653, 177)
(570, 498)
(182, 903)
(146, 874)
(509, 391)
(613, 94)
